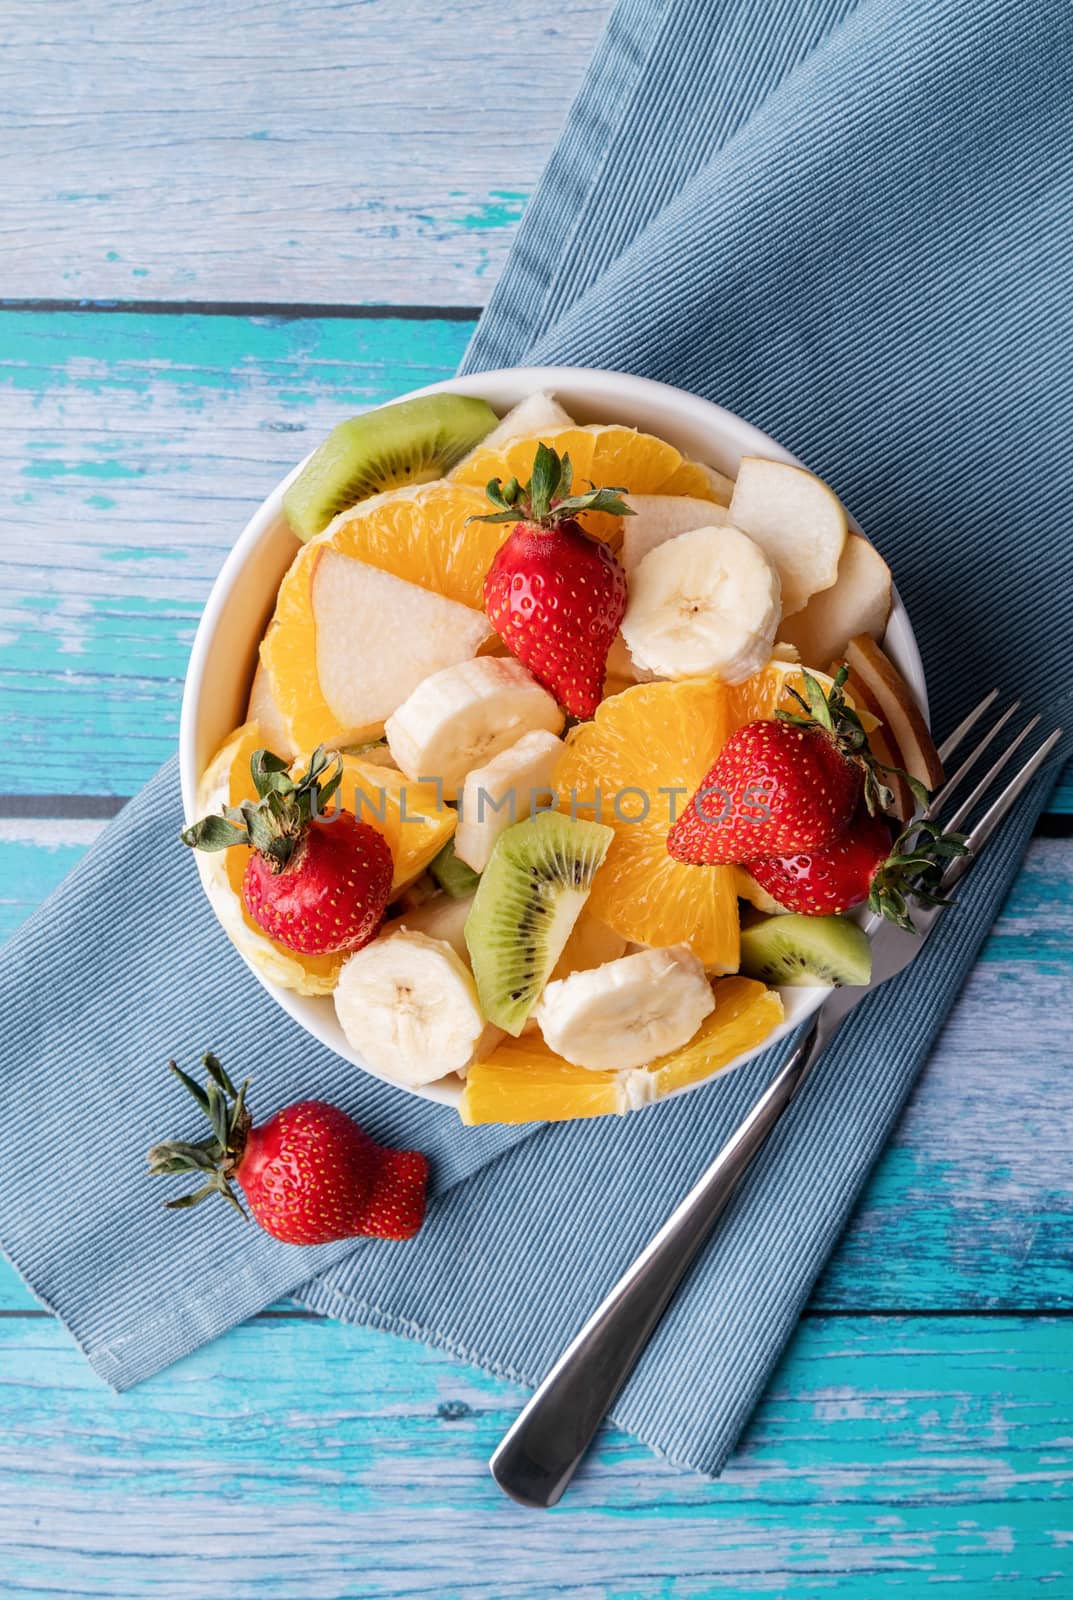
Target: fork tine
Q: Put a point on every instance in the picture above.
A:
(997, 811)
(952, 740)
(939, 800)
(965, 808)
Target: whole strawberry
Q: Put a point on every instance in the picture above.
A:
(865, 863)
(790, 784)
(554, 594)
(309, 1175)
(318, 884)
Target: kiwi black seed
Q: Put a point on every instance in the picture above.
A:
(530, 893)
(415, 441)
(797, 950)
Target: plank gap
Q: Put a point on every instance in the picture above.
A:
(60, 807)
(281, 310)
(810, 1314)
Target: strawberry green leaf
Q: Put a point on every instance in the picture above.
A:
(216, 1071)
(546, 499)
(217, 1157)
(214, 833)
(275, 822)
(190, 1085)
(544, 483)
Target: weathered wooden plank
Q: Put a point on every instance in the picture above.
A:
(970, 1206)
(303, 1458)
(139, 447)
(271, 151)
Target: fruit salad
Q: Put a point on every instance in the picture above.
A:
(565, 755)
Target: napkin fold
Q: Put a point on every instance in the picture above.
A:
(849, 223)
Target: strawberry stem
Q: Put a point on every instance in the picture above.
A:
(833, 713)
(216, 1158)
(275, 823)
(914, 871)
(546, 498)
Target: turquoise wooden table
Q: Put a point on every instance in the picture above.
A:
(226, 227)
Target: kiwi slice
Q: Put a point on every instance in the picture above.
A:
(452, 875)
(536, 882)
(415, 441)
(799, 950)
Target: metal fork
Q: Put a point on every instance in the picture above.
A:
(539, 1455)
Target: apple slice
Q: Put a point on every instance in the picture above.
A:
(796, 520)
(659, 517)
(378, 637)
(874, 678)
(857, 602)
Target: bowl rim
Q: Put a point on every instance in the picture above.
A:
(721, 433)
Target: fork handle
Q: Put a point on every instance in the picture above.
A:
(540, 1453)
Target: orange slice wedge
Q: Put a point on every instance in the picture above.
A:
(422, 536)
(700, 482)
(634, 766)
(524, 1081)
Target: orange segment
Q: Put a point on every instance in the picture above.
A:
(637, 462)
(289, 658)
(514, 458)
(701, 482)
(415, 823)
(422, 536)
(524, 1081)
(745, 1013)
(637, 763)
(768, 691)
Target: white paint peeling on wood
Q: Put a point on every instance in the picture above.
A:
(316, 1460)
(43, 833)
(276, 151)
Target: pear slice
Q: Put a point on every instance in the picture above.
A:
(264, 710)
(796, 520)
(874, 678)
(378, 637)
(857, 602)
(660, 517)
(439, 918)
(537, 413)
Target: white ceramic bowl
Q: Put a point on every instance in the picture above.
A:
(242, 599)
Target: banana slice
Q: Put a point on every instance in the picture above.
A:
(514, 785)
(626, 1012)
(465, 715)
(408, 1004)
(704, 603)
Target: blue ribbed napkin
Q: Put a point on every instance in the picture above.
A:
(849, 224)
